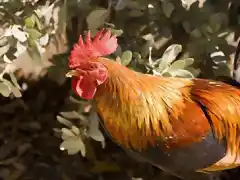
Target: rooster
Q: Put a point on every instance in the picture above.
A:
(178, 125)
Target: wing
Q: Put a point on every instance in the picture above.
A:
(221, 106)
(205, 135)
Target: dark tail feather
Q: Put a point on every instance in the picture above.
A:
(235, 80)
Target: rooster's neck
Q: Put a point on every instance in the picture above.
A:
(133, 105)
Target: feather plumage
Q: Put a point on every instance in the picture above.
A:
(164, 120)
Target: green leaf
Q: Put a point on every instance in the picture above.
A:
(34, 34)
(111, 25)
(126, 58)
(137, 55)
(117, 32)
(93, 130)
(145, 49)
(18, 34)
(167, 8)
(30, 22)
(14, 89)
(169, 56)
(181, 64)
(181, 73)
(37, 21)
(66, 133)
(57, 130)
(73, 146)
(75, 130)
(95, 133)
(16, 92)
(64, 121)
(44, 40)
(167, 74)
(20, 49)
(14, 80)
(96, 18)
(5, 89)
(195, 71)
(6, 59)
(34, 53)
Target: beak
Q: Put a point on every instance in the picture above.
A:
(72, 73)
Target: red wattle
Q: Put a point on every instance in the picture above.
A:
(84, 87)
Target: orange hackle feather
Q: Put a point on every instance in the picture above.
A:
(139, 110)
(139, 114)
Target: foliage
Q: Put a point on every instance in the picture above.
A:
(147, 44)
(73, 137)
(160, 37)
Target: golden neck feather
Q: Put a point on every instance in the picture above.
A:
(135, 107)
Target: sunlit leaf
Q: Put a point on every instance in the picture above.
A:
(34, 53)
(96, 134)
(75, 130)
(40, 49)
(5, 89)
(66, 133)
(167, 74)
(20, 49)
(30, 22)
(34, 34)
(181, 73)
(169, 56)
(118, 59)
(117, 32)
(8, 32)
(16, 92)
(73, 146)
(94, 131)
(64, 121)
(14, 80)
(126, 58)
(37, 20)
(44, 40)
(181, 64)
(18, 34)
(6, 59)
(57, 130)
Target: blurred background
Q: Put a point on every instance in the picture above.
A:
(46, 132)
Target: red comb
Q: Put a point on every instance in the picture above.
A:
(101, 45)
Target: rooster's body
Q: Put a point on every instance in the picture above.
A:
(178, 125)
